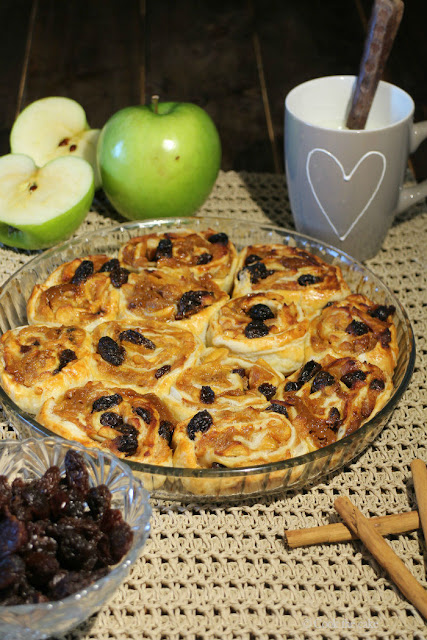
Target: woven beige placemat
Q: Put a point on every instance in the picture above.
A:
(224, 572)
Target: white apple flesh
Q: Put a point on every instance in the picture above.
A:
(53, 127)
(42, 206)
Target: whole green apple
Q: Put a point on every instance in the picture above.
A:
(159, 160)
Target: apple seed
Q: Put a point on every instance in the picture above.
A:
(64, 142)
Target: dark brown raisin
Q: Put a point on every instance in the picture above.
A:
(110, 265)
(204, 258)
(321, 380)
(120, 538)
(12, 570)
(256, 329)
(350, 379)
(5, 493)
(240, 371)
(308, 371)
(98, 500)
(119, 276)
(356, 328)
(218, 465)
(201, 421)
(257, 271)
(130, 335)
(189, 303)
(308, 279)
(13, 535)
(334, 419)
(293, 386)
(127, 443)
(385, 338)
(164, 249)
(260, 312)
(83, 272)
(207, 395)
(219, 238)
(110, 351)
(66, 356)
(40, 568)
(162, 371)
(76, 472)
(268, 390)
(143, 413)
(111, 419)
(382, 312)
(251, 258)
(377, 384)
(166, 430)
(106, 402)
(278, 407)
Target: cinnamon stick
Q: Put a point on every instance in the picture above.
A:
(419, 475)
(383, 553)
(339, 532)
(382, 29)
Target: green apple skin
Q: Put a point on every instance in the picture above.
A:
(159, 160)
(57, 225)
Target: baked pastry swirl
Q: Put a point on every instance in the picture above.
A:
(220, 379)
(203, 252)
(132, 425)
(328, 400)
(261, 325)
(83, 292)
(300, 276)
(163, 296)
(354, 327)
(147, 357)
(37, 362)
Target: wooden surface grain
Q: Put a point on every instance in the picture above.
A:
(236, 58)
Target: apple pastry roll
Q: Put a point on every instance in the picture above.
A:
(131, 425)
(357, 328)
(83, 292)
(300, 276)
(222, 380)
(232, 439)
(202, 252)
(147, 357)
(165, 296)
(39, 362)
(261, 325)
(328, 400)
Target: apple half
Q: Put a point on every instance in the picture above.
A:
(53, 127)
(42, 206)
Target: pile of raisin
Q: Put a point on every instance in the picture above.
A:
(57, 534)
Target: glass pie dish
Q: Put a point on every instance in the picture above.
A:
(220, 483)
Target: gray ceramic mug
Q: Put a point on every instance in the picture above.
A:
(346, 186)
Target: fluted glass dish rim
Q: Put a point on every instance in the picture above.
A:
(242, 232)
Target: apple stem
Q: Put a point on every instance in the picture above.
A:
(155, 103)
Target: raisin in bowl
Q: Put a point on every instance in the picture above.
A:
(221, 484)
(25, 463)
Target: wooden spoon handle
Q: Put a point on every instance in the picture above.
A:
(382, 29)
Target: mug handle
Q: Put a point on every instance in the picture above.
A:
(411, 195)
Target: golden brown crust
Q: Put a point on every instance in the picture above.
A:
(151, 355)
(300, 276)
(163, 296)
(203, 252)
(139, 430)
(261, 325)
(39, 362)
(68, 298)
(222, 380)
(355, 327)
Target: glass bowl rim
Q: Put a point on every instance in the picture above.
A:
(133, 553)
(187, 221)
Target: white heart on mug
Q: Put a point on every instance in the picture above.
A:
(355, 190)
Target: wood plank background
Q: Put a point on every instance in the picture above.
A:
(237, 59)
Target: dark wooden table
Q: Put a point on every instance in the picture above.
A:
(237, 59)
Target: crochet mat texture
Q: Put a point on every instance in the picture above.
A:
(223, 571)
